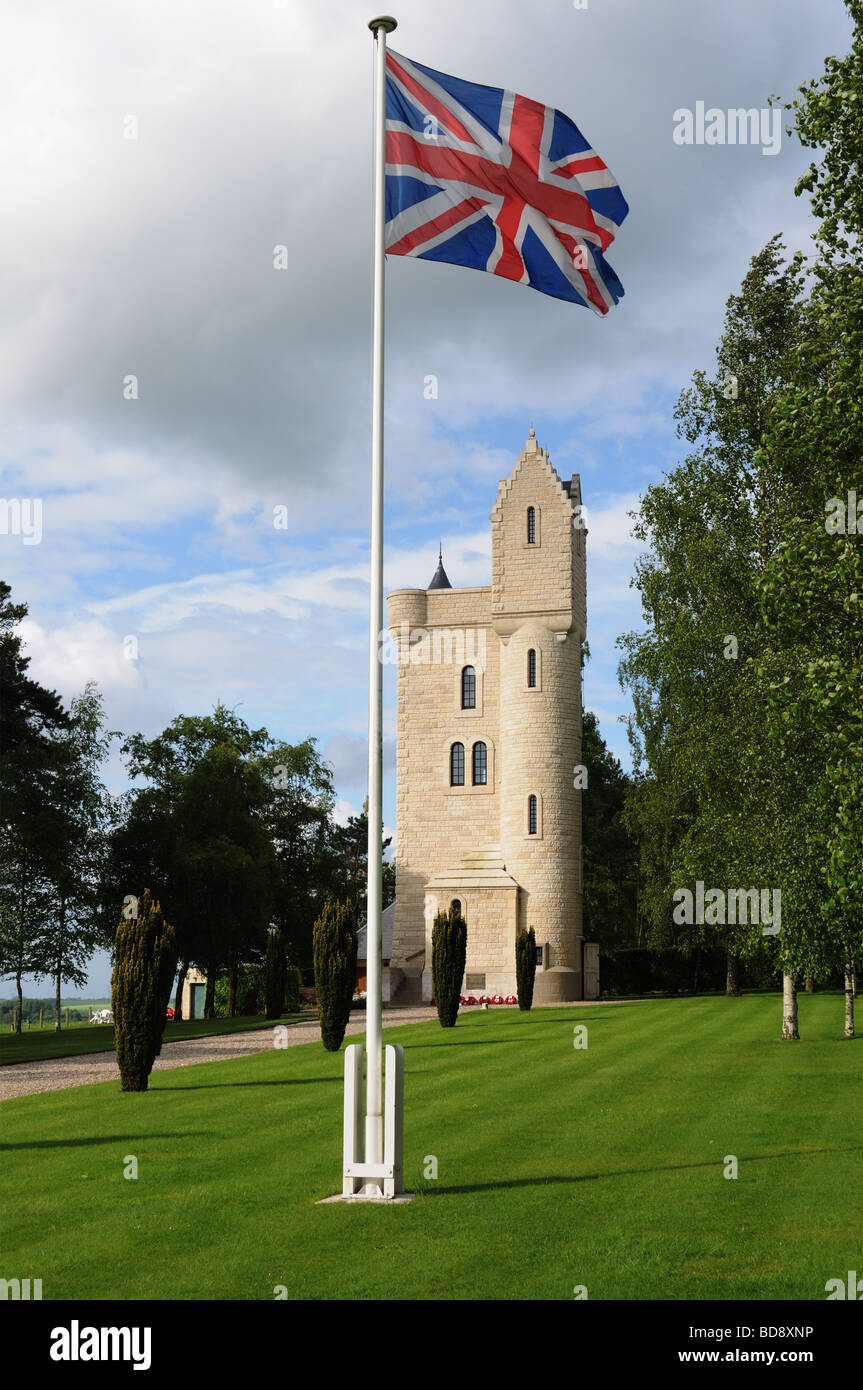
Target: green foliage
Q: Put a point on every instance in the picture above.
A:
(198, 833)
(635, 971)
(525, 967)
(298, 817)
(449, 952)
(276, 973)
(752, 771)
(334, 945)
(145, 961)
(609, 853)
(350, 846)
(713, 800)
(251, 992)
(28, 712)
(812, 591)
(292, 989)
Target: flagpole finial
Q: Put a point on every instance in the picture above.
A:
(384, 21)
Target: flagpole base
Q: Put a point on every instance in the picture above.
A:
(374, 1180)
(366, 1197)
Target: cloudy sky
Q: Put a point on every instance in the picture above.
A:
(153, 156)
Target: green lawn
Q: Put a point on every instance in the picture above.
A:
(35, 1044)
(557, 1167)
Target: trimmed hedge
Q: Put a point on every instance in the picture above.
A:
(334, 947)
(449, 952)
(525, 967)
(635, 970)
(145, 962)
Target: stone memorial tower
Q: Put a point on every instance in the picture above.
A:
(488, 804)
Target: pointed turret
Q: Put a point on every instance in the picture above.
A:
(439, 578)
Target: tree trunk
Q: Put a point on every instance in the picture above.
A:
(232, 985)
(18, 973)
(178, 999)
(789, 1006)
(58, 983)
(732, 973)
(849, 998)
(810, 985)
(210, 993)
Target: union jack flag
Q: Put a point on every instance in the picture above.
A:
(481, 177)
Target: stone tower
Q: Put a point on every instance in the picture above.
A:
(488, 741)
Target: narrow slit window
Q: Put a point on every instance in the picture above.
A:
(531, 668)
(531, 815)
(456, 765)
(531, 525)
(468, 688)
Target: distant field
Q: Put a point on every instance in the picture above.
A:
(8, 1007)
(34, 1045)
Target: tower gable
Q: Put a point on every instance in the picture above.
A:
(537, 546)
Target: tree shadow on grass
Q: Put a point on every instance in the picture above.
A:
(282, 1081)
(105, 1139)
(467, 1042)
(557, 1179)
(549, 1015)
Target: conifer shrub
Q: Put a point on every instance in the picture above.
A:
(334, 950)
(525, 966)
(449, 951)
(145, 962)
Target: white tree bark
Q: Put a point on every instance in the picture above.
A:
(789, 1006)
(849, 998)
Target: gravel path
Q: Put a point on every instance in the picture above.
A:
(59, 1073)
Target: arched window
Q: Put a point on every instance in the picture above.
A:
(455, 906)
(468, 688)
(456, 765)
(531, 525)
(480, 765)
(531, 815)
(531, 668)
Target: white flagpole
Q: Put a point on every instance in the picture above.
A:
(380, 27)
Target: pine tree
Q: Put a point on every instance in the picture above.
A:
(449, 952)
(334, 948)
(525, 967)
(144, 964)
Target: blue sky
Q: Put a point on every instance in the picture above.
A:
(153, 256)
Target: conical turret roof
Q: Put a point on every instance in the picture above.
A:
(439, 578)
